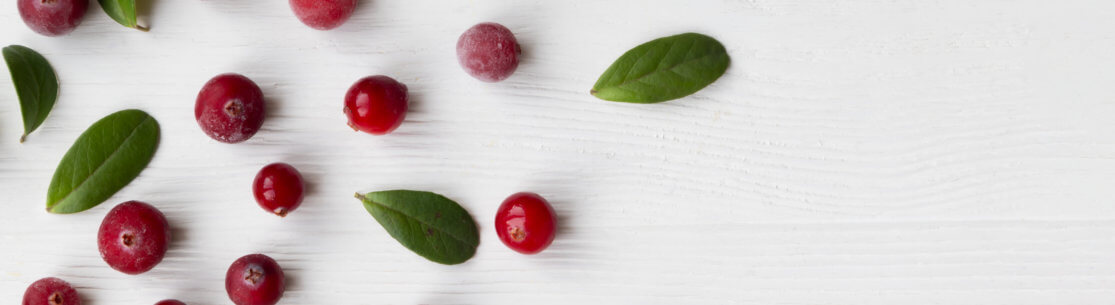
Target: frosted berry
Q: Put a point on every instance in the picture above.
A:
(229, 108)
(278, 188)
(52, 17)
(323, 14)
(376, 104)
(525, 222)
(488, 51)
(50, 291)
(255, 279)
(133, 237)
(170, 302)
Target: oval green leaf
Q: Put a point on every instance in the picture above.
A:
(427, 223)
(663, 69)
(104, 159)
(123, 11)
(35, 84)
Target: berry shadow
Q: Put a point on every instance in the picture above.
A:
(85, 299)
(178, 235)
(365, 9)
(273, 104)
(564, 196)
(416, 102)
(310, 183)
(526, 40)
(292, 282)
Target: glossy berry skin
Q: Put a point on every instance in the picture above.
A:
(230, 108)
(489, 52)
(323, 14)
(278, 188)
(133, 237)
(52, 17)
(376, 104)
(170, 302)
(50, 291)
(525, 222)
(255, 279)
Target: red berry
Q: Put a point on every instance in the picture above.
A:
(229, 108)
(376, 104)
(278, 188)
(50, 291)
(488, 51)
(323, 14)
(525, 223)
(170, 302)
(133, 237)
(254, 279)
(52, 17)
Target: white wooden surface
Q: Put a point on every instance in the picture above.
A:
(856, 152)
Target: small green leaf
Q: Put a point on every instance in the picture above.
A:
(104, 159)
(35, 84)
(663, 69)
(123, 11)
(428, 224)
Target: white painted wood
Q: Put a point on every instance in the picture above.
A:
(856, 152)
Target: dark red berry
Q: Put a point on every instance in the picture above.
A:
(52, 17)
(230, 108)
(525, 222)
(254, 279)
(170, 302)
(323, 14)
(50, 291)
(376, 104)
(133, 237)
(489, 52)
(278, 188)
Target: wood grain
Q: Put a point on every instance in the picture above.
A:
(856, 152)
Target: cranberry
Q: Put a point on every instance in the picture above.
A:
(52, 17)
(133, 237)
(376, 104)
(254, 279)
(488, 51)
(278, 188)
(170, 302)
(323, 14)
(229, 108)
(525, 223)
(50, 291)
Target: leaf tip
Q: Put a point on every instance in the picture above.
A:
(142, 28)
(360, 196)
(22, 138)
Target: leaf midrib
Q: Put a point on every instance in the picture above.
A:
(640, 77)
(459, 239)
(34, 91)
(100, 166)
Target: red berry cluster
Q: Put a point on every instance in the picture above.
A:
(230, 108)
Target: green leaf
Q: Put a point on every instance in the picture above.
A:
(35, 84)
(663, 69)
(123, 11)
(104, 159)
(428, 224)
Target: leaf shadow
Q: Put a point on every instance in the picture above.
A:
(144, 10)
